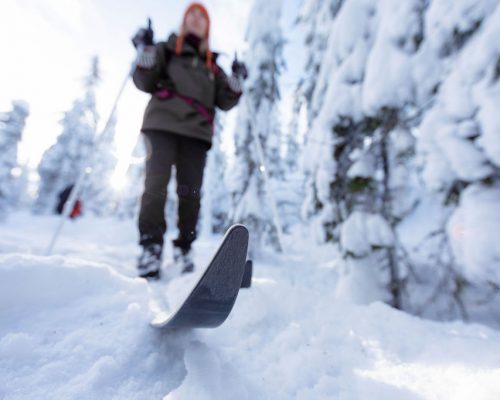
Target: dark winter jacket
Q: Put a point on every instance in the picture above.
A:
(191, 80)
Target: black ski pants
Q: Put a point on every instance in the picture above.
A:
(188, 155)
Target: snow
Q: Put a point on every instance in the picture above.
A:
(435, 65)
(314, 325)
(76, 325)
(397, 21)
(362, 230)
(468, 96)
(257, 138)
(360, 282)
(363, 167)
(73, 328)
(444, 17)
(473, 231)
(469, 162)
(11, 131)
(487, 115)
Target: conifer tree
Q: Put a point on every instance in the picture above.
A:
(62, 163)
(257, 118)
(11, 130)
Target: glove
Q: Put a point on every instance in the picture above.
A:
(147, 58)
(240, 73)
(144, 37)
(235, 83)
(239, 69)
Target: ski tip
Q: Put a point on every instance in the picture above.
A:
(237, 228)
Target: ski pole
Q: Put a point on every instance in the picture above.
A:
(75, 191)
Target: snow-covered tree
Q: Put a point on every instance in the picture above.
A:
(98, 192)
(129, 197)
(399, 203)
(62, 163)
(215, 199)
(11, 130)
(258, 118)
(290, 188)
(316, 16)
(459, 149)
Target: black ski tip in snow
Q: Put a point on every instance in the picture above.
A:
(213, 297)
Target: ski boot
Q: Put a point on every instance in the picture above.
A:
(184, 259)
(149, 262)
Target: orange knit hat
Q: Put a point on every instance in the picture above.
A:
(182, 35)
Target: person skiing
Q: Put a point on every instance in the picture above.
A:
(186, 85)
(63, 198)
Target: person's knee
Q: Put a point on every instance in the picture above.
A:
(187, 192)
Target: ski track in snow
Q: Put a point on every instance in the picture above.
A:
(76, 326)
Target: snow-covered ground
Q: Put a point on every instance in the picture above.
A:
(76, 326)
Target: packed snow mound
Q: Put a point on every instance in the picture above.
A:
(348, 352)
(31, 285)
(77, 330)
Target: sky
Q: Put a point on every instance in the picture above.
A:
(47, 47)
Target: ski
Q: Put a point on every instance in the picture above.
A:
(209, 303)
